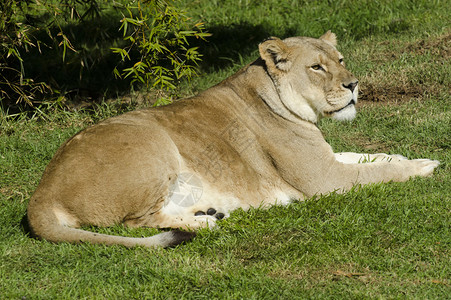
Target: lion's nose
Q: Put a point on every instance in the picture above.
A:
(351, 86)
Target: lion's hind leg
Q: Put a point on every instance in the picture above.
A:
(211, 212)
(172, 215)
(185, 221)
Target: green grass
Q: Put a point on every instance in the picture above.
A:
(380, 241)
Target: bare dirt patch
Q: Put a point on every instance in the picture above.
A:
(380, 87)
(440, 46)
(386, 93)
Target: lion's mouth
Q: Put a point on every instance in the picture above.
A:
(352, 102)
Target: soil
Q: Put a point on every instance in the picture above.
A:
(372, 93)
(439, 48)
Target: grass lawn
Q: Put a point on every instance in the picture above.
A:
(379, 241)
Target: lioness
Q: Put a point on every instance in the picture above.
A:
(250, 141)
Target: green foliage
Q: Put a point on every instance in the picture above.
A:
(14, 36)
(158, 32)
(69, 46)
(31, 28)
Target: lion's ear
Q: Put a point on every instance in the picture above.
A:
(275, 54)
(329, 37)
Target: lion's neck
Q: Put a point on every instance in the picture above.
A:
(284, 102)
(296, 106)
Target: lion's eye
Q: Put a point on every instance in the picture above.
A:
(341, 61)
(317, 67)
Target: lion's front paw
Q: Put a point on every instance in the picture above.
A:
(396, 157)
(424, 167)
(385, 157)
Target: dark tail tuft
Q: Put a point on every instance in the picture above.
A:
(181, 236)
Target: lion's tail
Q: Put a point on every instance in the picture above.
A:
(45, 225)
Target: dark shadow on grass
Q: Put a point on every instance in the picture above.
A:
(25, 226)
(228, 44)
(87, 75)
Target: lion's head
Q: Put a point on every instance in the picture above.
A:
(310, 77)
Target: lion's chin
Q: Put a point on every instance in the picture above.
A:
(346, 114)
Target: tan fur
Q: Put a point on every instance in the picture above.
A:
(251, 141)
